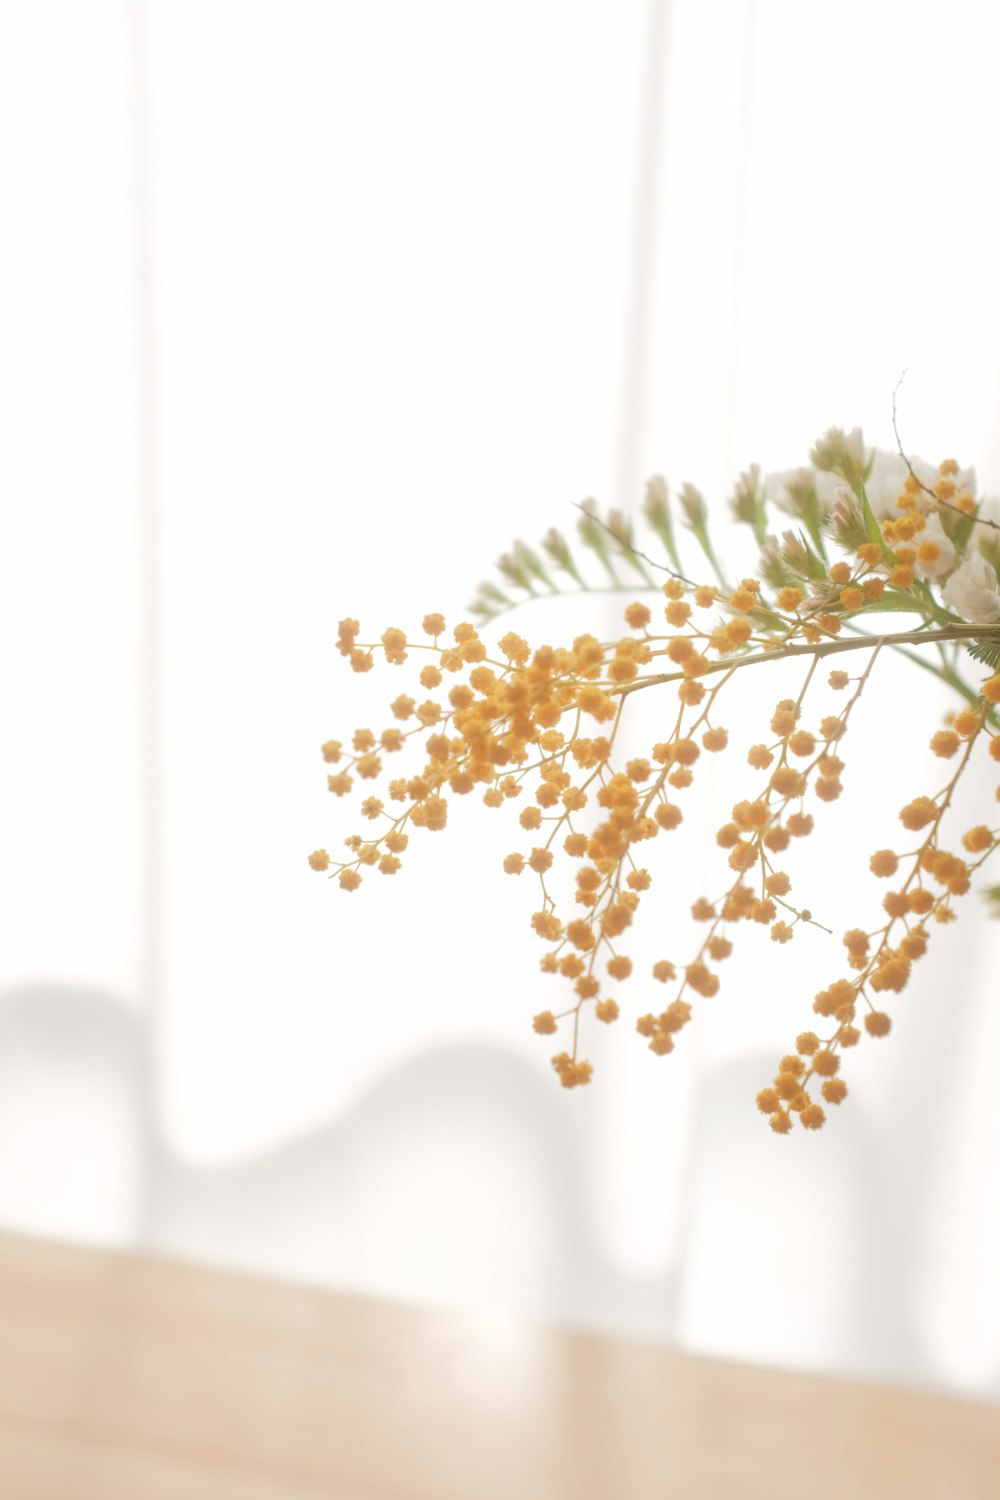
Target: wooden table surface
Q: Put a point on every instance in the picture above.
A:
(128, 1378)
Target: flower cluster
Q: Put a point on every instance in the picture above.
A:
(540, 728)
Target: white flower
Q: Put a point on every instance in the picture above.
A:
(989, 508)
(946, 557)
(888, 475)
(973, 592)
(965, 479)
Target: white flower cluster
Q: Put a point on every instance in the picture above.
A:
(969, 584)
(972, 591)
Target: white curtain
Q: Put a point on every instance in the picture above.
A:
(309, 309)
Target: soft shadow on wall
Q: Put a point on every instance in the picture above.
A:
(455, 1181)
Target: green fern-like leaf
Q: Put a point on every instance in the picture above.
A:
(986, 650)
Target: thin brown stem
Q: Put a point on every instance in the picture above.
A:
(824, 648)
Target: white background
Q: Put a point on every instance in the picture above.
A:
(307, 310)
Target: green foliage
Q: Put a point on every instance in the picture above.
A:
(749, 503)
(656, 509)
(986, 650)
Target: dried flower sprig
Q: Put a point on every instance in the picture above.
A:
(877, 533)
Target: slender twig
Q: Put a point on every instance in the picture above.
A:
(824, 648)
(628, 547)
(979, 520)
